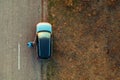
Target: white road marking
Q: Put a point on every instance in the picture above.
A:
(18, 56)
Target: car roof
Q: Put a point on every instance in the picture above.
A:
(44, 47)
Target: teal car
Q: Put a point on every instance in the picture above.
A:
(43, 40)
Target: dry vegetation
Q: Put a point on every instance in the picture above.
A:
(86, 40)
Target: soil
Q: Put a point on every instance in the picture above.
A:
(86, 40)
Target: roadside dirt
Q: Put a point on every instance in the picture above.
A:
(86, 40)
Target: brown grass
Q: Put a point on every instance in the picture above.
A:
(86, 39)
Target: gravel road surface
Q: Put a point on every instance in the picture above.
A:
(18, 19)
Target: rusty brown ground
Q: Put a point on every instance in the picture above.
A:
(86, 40)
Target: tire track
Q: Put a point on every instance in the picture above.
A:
(44, 14)
(43, 18)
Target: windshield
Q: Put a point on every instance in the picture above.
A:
(43, 35)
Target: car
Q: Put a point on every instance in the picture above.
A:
(43, 40)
